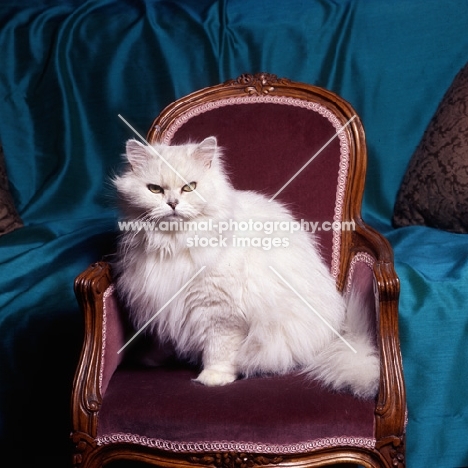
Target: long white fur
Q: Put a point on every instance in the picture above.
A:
(237, 318)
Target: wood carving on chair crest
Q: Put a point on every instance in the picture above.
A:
(235, 460)
(258, 84)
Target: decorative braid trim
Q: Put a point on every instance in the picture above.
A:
(361, 257)
(108, 292)
(313, 106)
(249, 447)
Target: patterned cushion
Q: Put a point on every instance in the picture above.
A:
(434, 191)
(9, 218)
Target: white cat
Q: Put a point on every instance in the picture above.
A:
(255, 305)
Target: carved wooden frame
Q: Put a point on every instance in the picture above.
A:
(390, 410)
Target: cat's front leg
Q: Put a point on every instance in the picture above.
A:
(223, 340)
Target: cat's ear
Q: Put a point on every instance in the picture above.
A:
(136, 153)
(206, 151)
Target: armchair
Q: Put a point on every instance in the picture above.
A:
(269, 129)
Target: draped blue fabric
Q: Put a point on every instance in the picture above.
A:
(68, 68)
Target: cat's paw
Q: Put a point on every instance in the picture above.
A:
(213, 378)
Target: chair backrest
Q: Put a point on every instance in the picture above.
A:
(272, 128)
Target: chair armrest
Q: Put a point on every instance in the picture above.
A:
(371, 250)
(103, 337)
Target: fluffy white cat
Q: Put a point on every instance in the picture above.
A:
(251, 306)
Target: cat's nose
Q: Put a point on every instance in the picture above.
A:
(173, 203)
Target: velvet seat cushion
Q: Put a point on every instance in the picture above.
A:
(163, 407)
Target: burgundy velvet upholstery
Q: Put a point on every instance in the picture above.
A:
(114, 332)
(265, 144)
(361, 282)
(165, 405)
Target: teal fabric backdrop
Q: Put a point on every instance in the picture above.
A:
(68, 68)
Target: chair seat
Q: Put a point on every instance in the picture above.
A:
(280, 414)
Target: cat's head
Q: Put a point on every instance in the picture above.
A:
(172, 182)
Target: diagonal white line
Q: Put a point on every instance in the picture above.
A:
(312, 158)
(161, 309)
(312, 309)
(158, 154)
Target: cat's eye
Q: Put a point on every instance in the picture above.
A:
(189, 187)
(155, 188)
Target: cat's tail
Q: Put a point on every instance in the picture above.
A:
(351, 361)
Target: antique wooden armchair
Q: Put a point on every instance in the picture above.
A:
(269, 128)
